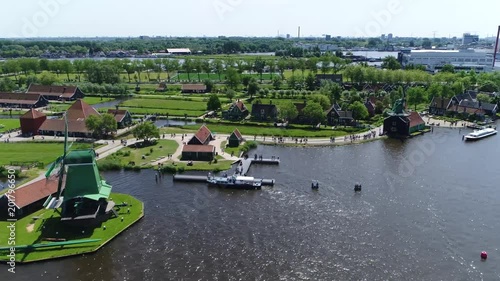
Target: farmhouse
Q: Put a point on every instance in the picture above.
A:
(335, 116)
(198, 152)
(123, 117)
(235, 139)
(31, 122)
(264, 112)
(30, 198)
(193, 88)
(19, 100)
(76, 116)
(236, 111)
(202, 137)
(67, 93)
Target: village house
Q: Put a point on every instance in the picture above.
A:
(21, 100)
(64, 93)
(235, 139)
(439, 106)
(202, 137)
(237, 111)
(76, 116)
(29, 198)
(403, 125)
(335, 116)
(195, 152)
(193, 89)
(370, 106)
(123, 117)
(264, 112)
(31, 122)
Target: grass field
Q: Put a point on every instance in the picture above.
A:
(298, 131)
(128, 155)
(96, 100)
(166, 104)
(30, 231)
(214, 77)
(9, 124)
(34, 151)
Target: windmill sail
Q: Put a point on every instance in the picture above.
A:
(56, 202)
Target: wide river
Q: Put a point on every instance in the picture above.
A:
(429, 206)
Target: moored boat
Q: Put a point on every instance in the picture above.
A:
(235, 182)
(479, 134)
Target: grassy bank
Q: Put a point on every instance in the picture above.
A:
(34, 151)
(30, 231)
(9, 124)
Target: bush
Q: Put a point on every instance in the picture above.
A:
(109, 165)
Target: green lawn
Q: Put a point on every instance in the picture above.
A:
(214, 77)
(166, 104)
(127, 155)
(159, 111)
(96, 100)
(34, 151)
(55, 229)
(9, 124)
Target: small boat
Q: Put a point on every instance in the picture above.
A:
(235, 182)
(315, 184)
(357, 187)
(479, 134)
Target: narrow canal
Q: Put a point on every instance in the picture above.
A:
(429, 206)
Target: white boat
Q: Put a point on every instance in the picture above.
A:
(479, 134)
(235, 182)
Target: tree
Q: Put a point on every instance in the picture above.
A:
(245, 80)
(310, 82)
(259, 66)
(288, 111)
(484, 98)
(209, 84)
(379, 107)
(48, 78)
(448, 68)
(277, 82)
(323, 100)
(101, 125)
(7, 85)
(416, 96)
(146, 131)
(232, 78)
(213, 103)
(109, 124)
(230, 94)
(391, 62)
(314, 112)
(253, 88)
(359, 111)
(488, 86)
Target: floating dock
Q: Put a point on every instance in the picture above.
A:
(246, 163)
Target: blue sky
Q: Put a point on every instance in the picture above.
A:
(360, 18)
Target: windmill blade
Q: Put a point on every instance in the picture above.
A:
(53, 166)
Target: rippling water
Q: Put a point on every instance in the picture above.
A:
(429, 206)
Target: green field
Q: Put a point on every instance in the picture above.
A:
(270, 130)
(127, 155)
(166, 104)
(9, 124)
(34, 151)
(96, 100)
(30, 231)
(214, 77)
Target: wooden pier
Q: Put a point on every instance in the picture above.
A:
(246, 163)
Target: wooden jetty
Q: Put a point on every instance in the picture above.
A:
(246, 163)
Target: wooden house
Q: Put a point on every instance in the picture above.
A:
(439, 106)
(21, 100)
(202, 137)
(237, 111)
(193, 88)
(197, 152)
(235, 139)
(264, 112)
(65, 93)
(335, 116)
(31, 122)
(123, 117)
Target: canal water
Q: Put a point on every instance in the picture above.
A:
(429, 206)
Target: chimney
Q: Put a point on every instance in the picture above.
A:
(64, 90)
(270, 101)
(50, 90)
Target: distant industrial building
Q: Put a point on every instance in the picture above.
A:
(470, 39)
(460, 59)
